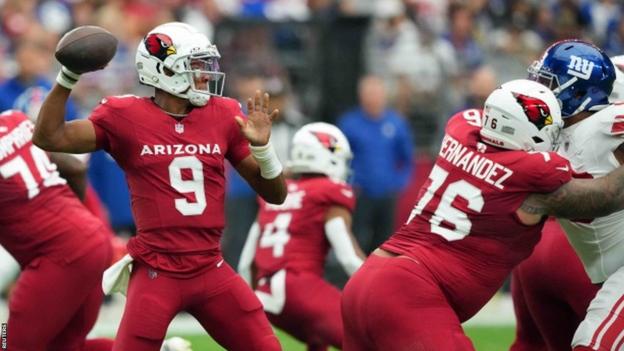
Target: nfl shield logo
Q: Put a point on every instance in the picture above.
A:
(179, 128)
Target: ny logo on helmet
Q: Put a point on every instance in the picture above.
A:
(159, 45)
(535, 109)
(327, 140)
(580, 67)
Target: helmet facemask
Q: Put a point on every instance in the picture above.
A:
(205, 78)
(177, 59)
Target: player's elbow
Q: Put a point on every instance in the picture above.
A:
(42, 141)
(276, 196)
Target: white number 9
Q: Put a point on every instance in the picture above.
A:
(194, 185)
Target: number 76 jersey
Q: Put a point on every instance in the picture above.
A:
(464, 227)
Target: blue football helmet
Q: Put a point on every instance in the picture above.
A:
(580, 74)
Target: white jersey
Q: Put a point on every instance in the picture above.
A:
(589, 146)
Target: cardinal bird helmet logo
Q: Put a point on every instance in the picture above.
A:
(327, 140)
(159, 45)
(536, 109)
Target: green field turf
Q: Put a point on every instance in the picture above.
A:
(484, 339)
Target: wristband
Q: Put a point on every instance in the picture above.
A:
(270, 166)
(66, 78)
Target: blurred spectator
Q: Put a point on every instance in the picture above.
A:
(392, 40)
(543, 23)
(601, 14)
(515, 40)
(462, 36)
(382, 163)
(568, 20)
(614, 44)
(29, 85)
(290, 118)
(482, 82)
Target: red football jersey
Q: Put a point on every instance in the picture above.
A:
(175, 174)
(292, 235)
(39, 214)
(464, 227)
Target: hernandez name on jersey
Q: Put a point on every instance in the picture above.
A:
(589, 145)
(464, 227)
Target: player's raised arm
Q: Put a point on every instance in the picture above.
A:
(348, 252)
(52, 133)
(579, 198)
(81, 50)
(262, 170)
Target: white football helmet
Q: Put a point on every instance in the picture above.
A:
(522, 115)
(617, 94)
(320, 148)
(180, 60)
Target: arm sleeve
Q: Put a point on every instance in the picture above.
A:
(248, 253)
(238, 146)
(338, 236)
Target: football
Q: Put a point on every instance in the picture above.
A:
(86, 49)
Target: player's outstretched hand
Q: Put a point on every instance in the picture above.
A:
(257, 126)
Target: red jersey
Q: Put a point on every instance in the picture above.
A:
(175, 174)
(37, 208)
(464, 227)
(292, 235)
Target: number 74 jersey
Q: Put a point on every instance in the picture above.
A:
(464, 227)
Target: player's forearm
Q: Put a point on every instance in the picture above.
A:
(51, 121)
(271, 190)
(581, 198)
(73, 170)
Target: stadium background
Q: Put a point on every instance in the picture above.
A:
(435, 56)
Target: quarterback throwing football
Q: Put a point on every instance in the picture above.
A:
(172, 147)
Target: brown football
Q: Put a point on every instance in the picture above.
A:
(86, 49)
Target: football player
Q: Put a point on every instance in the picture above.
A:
(582, 76)
(172, 147)
(550, 292)
(61, 247)
(287, 245)
(480, 214)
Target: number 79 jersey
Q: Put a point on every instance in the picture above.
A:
(174, 169)
(464, 227)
